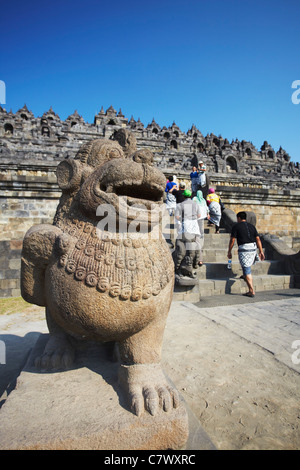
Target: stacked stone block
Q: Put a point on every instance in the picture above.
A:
(10, 264)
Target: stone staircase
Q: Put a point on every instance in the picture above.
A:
(216, 279)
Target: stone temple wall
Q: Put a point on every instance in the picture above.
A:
(262, 180)
(276, 213)
(29, 142)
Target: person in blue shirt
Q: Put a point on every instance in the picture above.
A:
(170, 184)
(194, 180)
(171, 200)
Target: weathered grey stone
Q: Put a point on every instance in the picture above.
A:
(85, 408)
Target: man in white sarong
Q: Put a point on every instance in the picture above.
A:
(248, 241)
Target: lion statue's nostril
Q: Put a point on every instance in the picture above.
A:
(143, 156)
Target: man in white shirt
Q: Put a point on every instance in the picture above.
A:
(203, 179)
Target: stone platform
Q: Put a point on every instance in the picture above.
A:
(84, 408)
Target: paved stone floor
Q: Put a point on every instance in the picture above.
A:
(236, 362)
(270, 320)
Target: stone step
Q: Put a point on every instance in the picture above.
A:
(215, 239)
(220, 270)
(211, 229)
(264, 282)
(209, 234)
(217, 255)
(211, 241)
(211, 247)
(209, 287)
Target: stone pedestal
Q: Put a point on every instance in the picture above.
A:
(84, 408)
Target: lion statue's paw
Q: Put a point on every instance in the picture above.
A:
(147, 388)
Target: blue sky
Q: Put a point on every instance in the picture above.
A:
(225, 66)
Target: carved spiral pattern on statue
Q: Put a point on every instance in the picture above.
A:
(129, 268)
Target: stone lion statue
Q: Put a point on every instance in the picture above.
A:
(105, 282)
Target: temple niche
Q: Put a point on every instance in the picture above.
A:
(174, 150)
(231, 165)
(45, 131)
(8, 129)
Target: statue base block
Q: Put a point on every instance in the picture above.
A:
(186, 281)
(83, 408)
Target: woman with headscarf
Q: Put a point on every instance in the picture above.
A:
(204, 214)
(214, 206)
